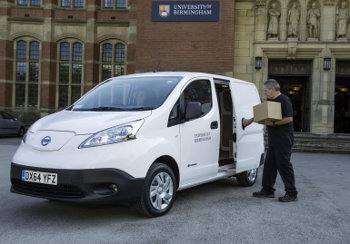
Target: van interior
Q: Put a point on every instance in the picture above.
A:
(227, 136)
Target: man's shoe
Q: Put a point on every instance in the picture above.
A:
(288, 198)
(263, 194)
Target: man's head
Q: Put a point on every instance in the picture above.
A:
(271, 88)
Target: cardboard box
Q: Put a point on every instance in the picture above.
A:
(267, 111)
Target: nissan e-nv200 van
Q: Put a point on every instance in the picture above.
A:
(140, 138)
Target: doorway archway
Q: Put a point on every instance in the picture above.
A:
(294, 78)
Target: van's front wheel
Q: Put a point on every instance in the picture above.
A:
(159, 191)
(247, 178)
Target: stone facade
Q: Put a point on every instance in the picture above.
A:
(321, 30)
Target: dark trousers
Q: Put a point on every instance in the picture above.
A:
(278, 159)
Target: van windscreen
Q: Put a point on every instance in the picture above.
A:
(128, 94)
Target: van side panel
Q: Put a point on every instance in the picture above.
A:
(250, 141)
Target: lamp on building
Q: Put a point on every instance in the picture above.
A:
(258, 62)
(327, 63)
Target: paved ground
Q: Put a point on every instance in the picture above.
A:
(219, 212)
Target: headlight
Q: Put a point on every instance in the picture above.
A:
(115, 134)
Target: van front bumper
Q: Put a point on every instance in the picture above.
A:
(88, 185)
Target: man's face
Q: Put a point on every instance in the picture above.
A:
(269, 92)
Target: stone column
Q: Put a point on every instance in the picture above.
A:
(302, 21)
(131, 48)
(6, 54)
(283, 21)
(91, 55)
(328, 22)
(260, 21)
(322, 114)
(47, 88)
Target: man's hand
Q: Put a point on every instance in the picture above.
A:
(269, 123)
(266, 122)
(246, 122)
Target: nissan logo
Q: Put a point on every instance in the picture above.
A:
(46, 140)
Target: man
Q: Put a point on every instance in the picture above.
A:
(280, 141)
(342, 20)
(273, 25)
(293, 21)
(313, 14)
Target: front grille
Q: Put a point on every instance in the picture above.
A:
(42, 190)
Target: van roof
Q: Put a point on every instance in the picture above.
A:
(185, 74)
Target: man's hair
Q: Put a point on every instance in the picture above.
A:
(272, 83)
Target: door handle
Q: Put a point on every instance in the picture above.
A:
(214, 125)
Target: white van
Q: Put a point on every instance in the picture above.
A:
(140, 138)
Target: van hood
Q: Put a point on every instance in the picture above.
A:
(86, 122)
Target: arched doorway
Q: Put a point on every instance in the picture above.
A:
(294, 78)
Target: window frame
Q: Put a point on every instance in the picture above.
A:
(70, 84)
(28, 4)
(27, 82)
(114, 5)
(114, 62)
(72, 4)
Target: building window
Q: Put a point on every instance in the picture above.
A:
(72, 3)
(27, 73)
(34, 3)
(113, 60)
(118, 4)
(69, 73)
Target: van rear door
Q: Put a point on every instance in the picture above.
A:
(250, 141)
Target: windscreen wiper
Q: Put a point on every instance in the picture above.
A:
(140, 108)
(103, 108)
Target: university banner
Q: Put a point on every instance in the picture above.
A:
(185, 11)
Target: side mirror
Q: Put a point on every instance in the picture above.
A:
(193, 110)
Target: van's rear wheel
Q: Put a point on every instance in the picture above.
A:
(247, 178)
(159, 191)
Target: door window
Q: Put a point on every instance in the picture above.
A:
(199, 91)
(7, 116)
(174, 116)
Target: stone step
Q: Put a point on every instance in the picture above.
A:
(322, 147)
(332, 143)
(320, 150)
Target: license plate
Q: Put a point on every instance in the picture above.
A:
(39, 177)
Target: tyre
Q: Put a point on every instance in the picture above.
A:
(159, 191)
(247, 178)
(20, 132)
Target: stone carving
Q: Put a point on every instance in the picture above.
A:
(260, 3)
(313, 20)
(274, 15)
(342, 20)
(293, 21)
(328, 2)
